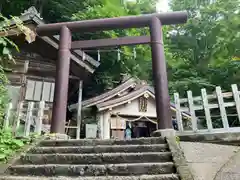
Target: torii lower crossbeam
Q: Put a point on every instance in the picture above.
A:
(154, 21)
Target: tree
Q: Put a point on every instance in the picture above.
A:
(6, 47)
(206, 45)
(111, 68)
(108, 74)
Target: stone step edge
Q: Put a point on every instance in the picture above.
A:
(127, 169)
(167, 153)
(101, 140)
(100, 148)
(91, 165)
(103, 146)
(141, 177)
(133, 139)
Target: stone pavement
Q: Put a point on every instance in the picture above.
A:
(230, 170)
(212, 161)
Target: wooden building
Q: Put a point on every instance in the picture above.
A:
(131, 103)
(32, 76)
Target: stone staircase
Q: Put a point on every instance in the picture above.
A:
(136, 159)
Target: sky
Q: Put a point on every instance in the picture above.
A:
(162, 6)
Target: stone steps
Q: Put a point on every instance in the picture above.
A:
(104, 158)
(95, 142)
(93, 169)
(142, 177)
(101, 149)
(88, 159)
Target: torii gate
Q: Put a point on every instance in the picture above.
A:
(154, 21)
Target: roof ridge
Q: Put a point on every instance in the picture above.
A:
(106, 95)
(101, 106)
(33, 11)
(132, 94)
(111, 92)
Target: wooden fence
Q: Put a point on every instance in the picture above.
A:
(209, 113)
(28, 114)
(31, 117)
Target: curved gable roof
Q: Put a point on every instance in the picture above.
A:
(122, 100)
(131, 96)
(107, 95)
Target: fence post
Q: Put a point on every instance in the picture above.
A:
(236, 99)
(8, 115)
(28, 119)
(79, 111)
(18, 117)
(20, 106)
(222, 107)
(178, 112)
(38, 128)
(192, 110)
(206, 109)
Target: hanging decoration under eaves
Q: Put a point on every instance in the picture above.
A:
(134, 53)
(99, 55)
(83, 56)
(119, 53)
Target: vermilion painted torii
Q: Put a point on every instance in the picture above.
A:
(153, 21)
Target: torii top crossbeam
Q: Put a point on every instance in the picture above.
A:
(177, 17)
(153, 21)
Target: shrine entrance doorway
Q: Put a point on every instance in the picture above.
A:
(142, 127)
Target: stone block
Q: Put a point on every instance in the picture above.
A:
(164, 133)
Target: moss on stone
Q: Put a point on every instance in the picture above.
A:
(179, 159)
(17, 156)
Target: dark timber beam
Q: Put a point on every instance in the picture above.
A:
(113, 23)
(100, 43)
(61, 82)
(160, 76)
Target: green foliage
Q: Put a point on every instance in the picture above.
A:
(5, 43)
(199, 53)
(177, 139)
(6, 47)
(10, 145)
(5, 55)
(108, 74)
(206, 45)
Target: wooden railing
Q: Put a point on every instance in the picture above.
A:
(209, 113)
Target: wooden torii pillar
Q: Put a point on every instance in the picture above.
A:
(154, 21)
